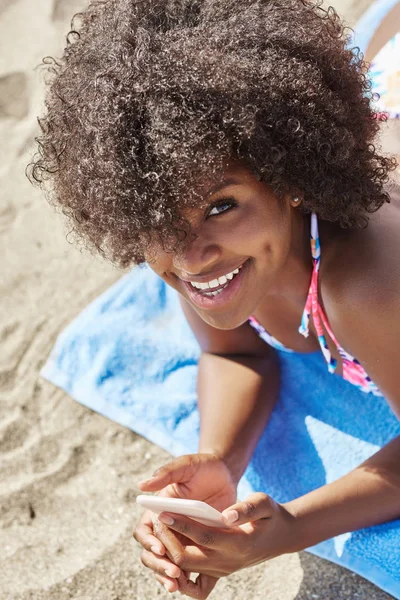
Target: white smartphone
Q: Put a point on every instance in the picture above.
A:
(195, 509)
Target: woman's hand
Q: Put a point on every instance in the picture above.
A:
(203, 477)
(259, 529)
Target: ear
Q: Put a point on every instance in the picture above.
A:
(295, 201)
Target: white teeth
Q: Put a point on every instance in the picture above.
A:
(215, 293)
(216, 282)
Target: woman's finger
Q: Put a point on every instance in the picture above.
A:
(145, 536)
(199, 589)
(200, 534)
(171, 585)
(173, 543)
(182, 552)
(178, 470)
(256, 506)
(160, 566)
(176, 548)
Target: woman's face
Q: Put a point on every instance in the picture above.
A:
(241, 243)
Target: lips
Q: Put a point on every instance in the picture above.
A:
(217, 283)
(213, 297)
(215, 286)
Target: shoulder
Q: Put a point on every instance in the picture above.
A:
(364, 270)
(361, 296)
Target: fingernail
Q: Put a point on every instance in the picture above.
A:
(231, 516)
(166, 520)
(146, 480)
(169, 573)
(156, 550)
(168, 586)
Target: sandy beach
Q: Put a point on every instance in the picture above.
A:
(67, 475)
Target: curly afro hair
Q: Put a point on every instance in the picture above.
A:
(152, 97)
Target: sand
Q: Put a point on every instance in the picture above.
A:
(67, 475)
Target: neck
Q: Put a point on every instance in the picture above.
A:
(294, 279)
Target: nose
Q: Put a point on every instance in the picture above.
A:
(197, 257)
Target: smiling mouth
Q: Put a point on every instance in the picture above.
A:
(218, 292)
(215, 286)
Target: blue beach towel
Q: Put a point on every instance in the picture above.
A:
(131, 356)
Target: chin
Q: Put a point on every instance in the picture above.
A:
(224, 321)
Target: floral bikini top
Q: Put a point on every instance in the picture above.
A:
(352, 369)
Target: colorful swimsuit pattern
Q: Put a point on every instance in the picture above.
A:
(352, 369)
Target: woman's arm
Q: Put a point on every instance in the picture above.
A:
(367, 496)
(238, 385)
(237, 389)
(366, 313)
(236, 396)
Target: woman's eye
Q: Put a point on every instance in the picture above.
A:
(220, 208)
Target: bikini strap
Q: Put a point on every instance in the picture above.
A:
(312, 305)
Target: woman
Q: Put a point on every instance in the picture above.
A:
(230, 146)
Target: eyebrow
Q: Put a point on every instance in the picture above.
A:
(224, 184)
